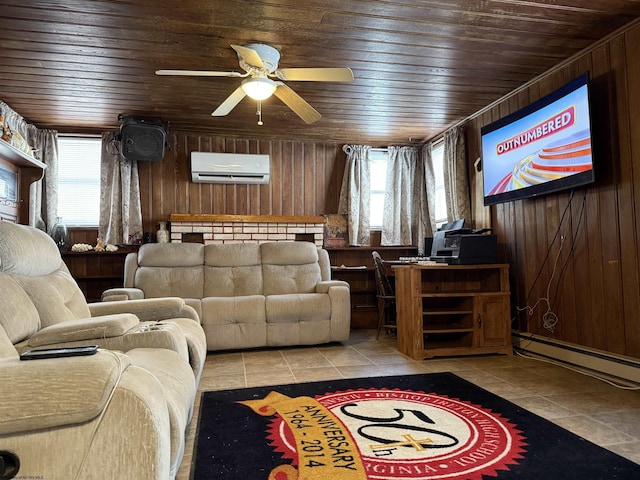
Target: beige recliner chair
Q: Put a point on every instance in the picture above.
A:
(121, 413)
(32, 260)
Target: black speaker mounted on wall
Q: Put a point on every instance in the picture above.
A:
(142, 139)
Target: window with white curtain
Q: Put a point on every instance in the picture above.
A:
(79, 180)
(378, 170)
(437, 156)
(377, 184)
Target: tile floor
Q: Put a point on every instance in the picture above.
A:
(597, 411)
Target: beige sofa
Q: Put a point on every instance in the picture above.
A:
(121, 413)
(246, 294)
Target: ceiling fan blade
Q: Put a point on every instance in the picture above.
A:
(230, 103)
(249, 56)
(316, 74)
(296, 103)
(199, 73)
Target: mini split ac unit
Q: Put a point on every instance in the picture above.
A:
(209, 167)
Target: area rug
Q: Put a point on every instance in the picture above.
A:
(432, 426)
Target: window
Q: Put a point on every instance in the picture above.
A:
(79, 180)
(437, 156)
(378, 171)
(377, 184)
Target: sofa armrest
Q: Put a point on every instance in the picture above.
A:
(81, 329)
(325, 285)
(340, 295)
(118, 294)
(148, 309)
(48, 393)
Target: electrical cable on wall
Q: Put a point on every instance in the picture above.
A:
(550, 316)
(573, 245)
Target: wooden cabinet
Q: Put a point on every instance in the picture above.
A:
(354, 265)
(447, 310)
(17, 172)
(97, 271)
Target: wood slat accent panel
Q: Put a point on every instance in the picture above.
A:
(305, 180)
(419, 66)
(580, 249)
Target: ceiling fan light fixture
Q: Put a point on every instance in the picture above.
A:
(259, 88)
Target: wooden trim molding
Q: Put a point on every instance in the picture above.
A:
(203, 217)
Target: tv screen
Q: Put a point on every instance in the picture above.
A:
(539, 149)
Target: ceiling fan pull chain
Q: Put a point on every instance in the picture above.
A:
(259, 112)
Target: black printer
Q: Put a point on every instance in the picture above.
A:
(464, 246)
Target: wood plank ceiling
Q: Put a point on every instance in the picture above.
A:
(419, 66)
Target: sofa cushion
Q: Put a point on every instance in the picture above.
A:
(223, 310)
(18, 315)
(56, 296)
(232, 270)
(291, 308)
(299, 333)
(289, 267)
(171, 255)
(170, 270)
(234, 322)
(27, 251)
(184, 282)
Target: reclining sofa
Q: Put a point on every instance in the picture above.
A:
(246, 294)
(119, 413)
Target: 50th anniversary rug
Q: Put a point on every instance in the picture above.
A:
(433, 426)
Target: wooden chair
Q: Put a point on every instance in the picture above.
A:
(386, 296)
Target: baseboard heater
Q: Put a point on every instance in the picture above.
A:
(619, 368)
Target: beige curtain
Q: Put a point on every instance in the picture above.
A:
(120, 212)
(355, 193)
(456, 182)
(407, 218)
(43, 205)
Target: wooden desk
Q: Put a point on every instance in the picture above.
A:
(364, 304)
(445, 310)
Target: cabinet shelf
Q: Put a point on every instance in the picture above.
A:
(18, 157)
(446, 312)
(97, 271)
(447, 330)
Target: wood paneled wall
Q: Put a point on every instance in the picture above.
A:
(305, 180)
(580, 250)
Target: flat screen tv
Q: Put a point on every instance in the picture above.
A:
(542, 148)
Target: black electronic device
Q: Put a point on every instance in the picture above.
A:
(542, 148)
(464, 247)
(142, 139)
(428, 245)
(59, 352)
(452, 225)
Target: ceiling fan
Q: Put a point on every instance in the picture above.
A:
(260, 64)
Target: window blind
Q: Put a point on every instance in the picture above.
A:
(79, 180)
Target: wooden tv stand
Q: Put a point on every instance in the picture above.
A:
(445, 310)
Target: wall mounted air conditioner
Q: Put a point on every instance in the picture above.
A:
(210, 167)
